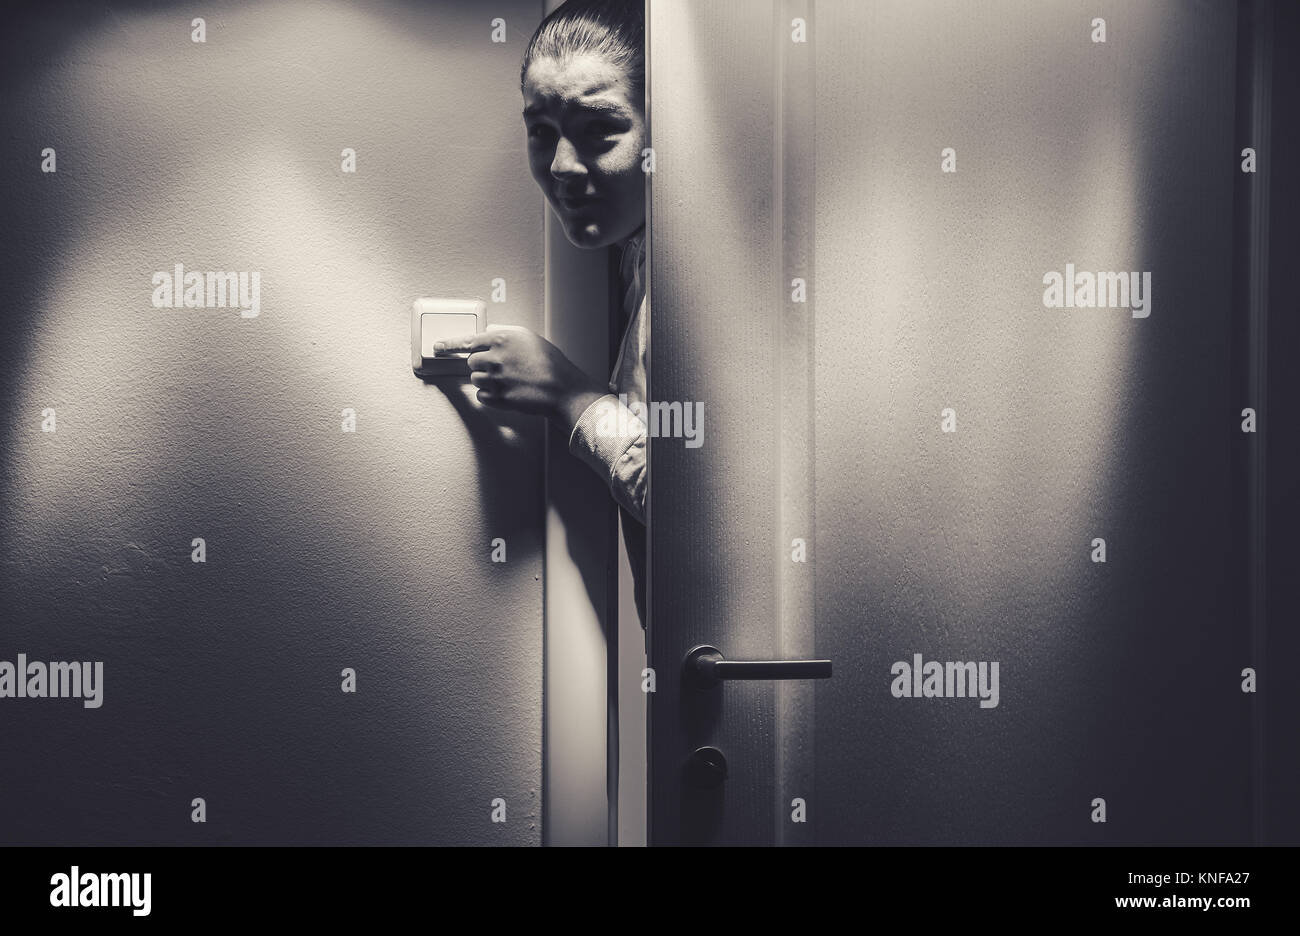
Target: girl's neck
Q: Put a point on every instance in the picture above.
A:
(638, 234)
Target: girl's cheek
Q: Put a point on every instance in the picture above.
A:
(623, 159)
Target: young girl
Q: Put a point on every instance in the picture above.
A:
(583, 83)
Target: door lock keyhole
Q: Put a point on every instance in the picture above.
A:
(706, 768)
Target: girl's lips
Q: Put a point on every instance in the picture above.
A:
(575, 203)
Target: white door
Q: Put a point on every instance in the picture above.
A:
(913, 458)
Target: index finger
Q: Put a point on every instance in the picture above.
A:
(463, 343)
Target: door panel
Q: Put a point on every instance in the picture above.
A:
(1118, 680)
(715, 343)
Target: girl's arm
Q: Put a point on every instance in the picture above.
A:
(612, 440)
(520, 370)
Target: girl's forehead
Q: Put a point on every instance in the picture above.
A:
(579, 81)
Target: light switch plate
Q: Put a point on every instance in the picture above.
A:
(435, 319)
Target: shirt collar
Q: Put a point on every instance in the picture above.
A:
(633, 256)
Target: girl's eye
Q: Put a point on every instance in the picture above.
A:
(602, 128)
(538, 130)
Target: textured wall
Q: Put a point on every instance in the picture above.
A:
(325, 549)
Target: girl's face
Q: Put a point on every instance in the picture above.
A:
(585, 133)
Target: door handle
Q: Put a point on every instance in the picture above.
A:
(705, 667)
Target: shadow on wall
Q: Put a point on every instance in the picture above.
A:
(325, 549)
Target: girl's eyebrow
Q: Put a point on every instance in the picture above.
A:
(599, 105)
(605, 106)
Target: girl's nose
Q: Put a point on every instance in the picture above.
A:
(565, 163)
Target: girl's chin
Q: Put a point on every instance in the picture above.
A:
(583, 233)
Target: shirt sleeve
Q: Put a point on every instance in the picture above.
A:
(612, 440)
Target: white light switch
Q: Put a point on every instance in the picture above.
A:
(435, 326)
(437, 319)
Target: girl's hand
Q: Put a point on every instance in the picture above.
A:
(517, 369)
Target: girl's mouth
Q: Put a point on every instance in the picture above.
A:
(573, 204)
